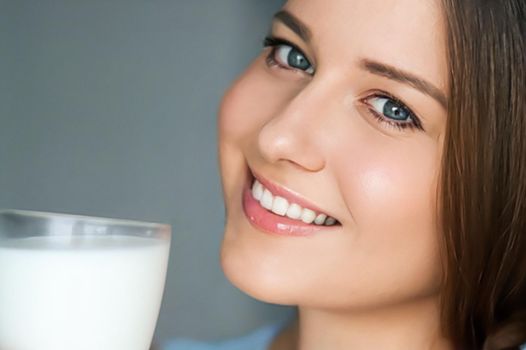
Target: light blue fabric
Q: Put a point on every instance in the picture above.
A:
(259, 339)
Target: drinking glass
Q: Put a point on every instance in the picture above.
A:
(71, 282)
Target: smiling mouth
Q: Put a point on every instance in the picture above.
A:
(282, 206)
(275, 209)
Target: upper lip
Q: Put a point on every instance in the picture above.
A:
(288, 194)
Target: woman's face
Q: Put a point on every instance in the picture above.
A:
(345, 120)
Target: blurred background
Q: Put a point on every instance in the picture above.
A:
(108, 108)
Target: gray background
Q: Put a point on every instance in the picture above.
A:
(109, 108)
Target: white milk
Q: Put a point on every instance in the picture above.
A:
(80, 293)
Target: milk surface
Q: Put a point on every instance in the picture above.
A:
(80, 292)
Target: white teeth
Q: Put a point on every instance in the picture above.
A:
(280, 205)
(330, 221)
(308, 216)
(320, 219)
(257, 190)
(294, 211)
(267, 199)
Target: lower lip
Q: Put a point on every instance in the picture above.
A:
(271, 223)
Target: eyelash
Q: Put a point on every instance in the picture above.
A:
(413, 124)
(274, 43)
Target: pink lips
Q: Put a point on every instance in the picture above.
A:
(271, 223)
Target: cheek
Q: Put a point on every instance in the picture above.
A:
(254, 98)
(248, 103)
(390, 194)
(390, 182)
(234, 111)
(236, 124)
(251, 101)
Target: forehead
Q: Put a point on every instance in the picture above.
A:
(408, 34)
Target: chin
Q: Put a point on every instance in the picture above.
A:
(255, 276)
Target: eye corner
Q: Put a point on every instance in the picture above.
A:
(413, 120)
(365, 99)
(276, 44)
(269, 41)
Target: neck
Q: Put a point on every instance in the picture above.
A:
(408, 326)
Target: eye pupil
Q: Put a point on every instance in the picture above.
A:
(395, 111)
(297, 60)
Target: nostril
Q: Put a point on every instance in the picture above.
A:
(279, 141)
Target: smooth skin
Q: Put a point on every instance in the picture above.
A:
(315, 122)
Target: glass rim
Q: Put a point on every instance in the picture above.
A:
(87, 218)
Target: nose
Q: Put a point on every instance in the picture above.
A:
(295, 133)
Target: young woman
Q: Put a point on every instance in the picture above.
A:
(373, 160)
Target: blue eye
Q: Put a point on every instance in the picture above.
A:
(391, 109)
(393, 112)
(286, 55)
(289, 56)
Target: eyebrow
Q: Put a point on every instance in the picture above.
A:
(404, 77)
(373, 67)
(294, 24)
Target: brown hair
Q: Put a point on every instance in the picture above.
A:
(483, 192)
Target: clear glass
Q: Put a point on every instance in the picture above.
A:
(76, 282)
